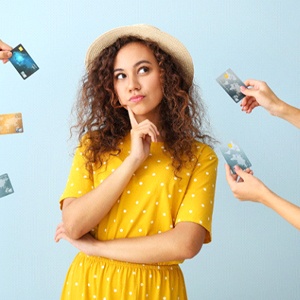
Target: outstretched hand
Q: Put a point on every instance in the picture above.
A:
(244, 185)
(259, 94)
(5, 52)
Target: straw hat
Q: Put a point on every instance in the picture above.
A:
(168, 43)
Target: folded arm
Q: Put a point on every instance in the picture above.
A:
(182, 242)
(82, 214)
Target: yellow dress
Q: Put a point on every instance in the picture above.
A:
(154, 201)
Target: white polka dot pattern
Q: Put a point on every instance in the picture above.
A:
(153, 202)
(106, 280)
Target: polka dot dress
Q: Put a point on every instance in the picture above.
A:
(153, 202)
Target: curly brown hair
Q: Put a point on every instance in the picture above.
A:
(104, 122)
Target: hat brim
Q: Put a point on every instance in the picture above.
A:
(168, 43)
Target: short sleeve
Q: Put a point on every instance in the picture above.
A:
(198, 202)
(80, 181)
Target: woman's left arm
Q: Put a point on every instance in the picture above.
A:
(182, 242)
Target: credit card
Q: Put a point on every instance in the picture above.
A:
(231, 84)
(11, 123)
(234, 155)
(5, 186)
(23, 62)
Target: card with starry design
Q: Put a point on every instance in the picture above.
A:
(231, 84)
(234, 155)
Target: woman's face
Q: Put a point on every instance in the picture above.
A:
(137, 81)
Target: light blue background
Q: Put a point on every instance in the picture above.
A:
(254, 253)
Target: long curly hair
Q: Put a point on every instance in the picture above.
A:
(105, 123)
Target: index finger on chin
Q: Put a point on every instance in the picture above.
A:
(132, 118)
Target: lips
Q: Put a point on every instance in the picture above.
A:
(137, 98)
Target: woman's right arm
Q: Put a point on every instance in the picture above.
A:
(82, 214)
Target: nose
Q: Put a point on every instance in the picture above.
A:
(133, 83)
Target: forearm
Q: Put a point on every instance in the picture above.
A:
(289, 211)
(289, 113)
(177, 244)
(84, 213)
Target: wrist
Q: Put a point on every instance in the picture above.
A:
(279, 108)
(266, 196)
(94, 249)
(132, 162)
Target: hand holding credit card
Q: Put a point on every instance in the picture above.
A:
(234, 155)
(23, 62)
(231, 84)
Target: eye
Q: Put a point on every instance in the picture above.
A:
(120, 76)
(143, 70)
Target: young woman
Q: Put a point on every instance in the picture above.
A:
(140, 194)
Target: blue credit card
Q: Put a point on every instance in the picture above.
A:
(23, 62)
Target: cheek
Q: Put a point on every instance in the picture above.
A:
(159, 90)
(118, 93)
(121, 102)
(158, 84)
(160, 96)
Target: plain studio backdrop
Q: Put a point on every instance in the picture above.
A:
(254, 253)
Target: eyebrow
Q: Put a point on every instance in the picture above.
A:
(135, 65)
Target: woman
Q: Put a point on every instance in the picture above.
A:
(140, 194)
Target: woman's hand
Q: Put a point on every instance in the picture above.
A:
(259, 94)
(244, 185)
(86, 244)
(5, 52)
(142, 134)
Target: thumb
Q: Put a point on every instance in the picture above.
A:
(246, 91)
(8, 54)
(240, 172)
(5, 54)
(229, 176)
